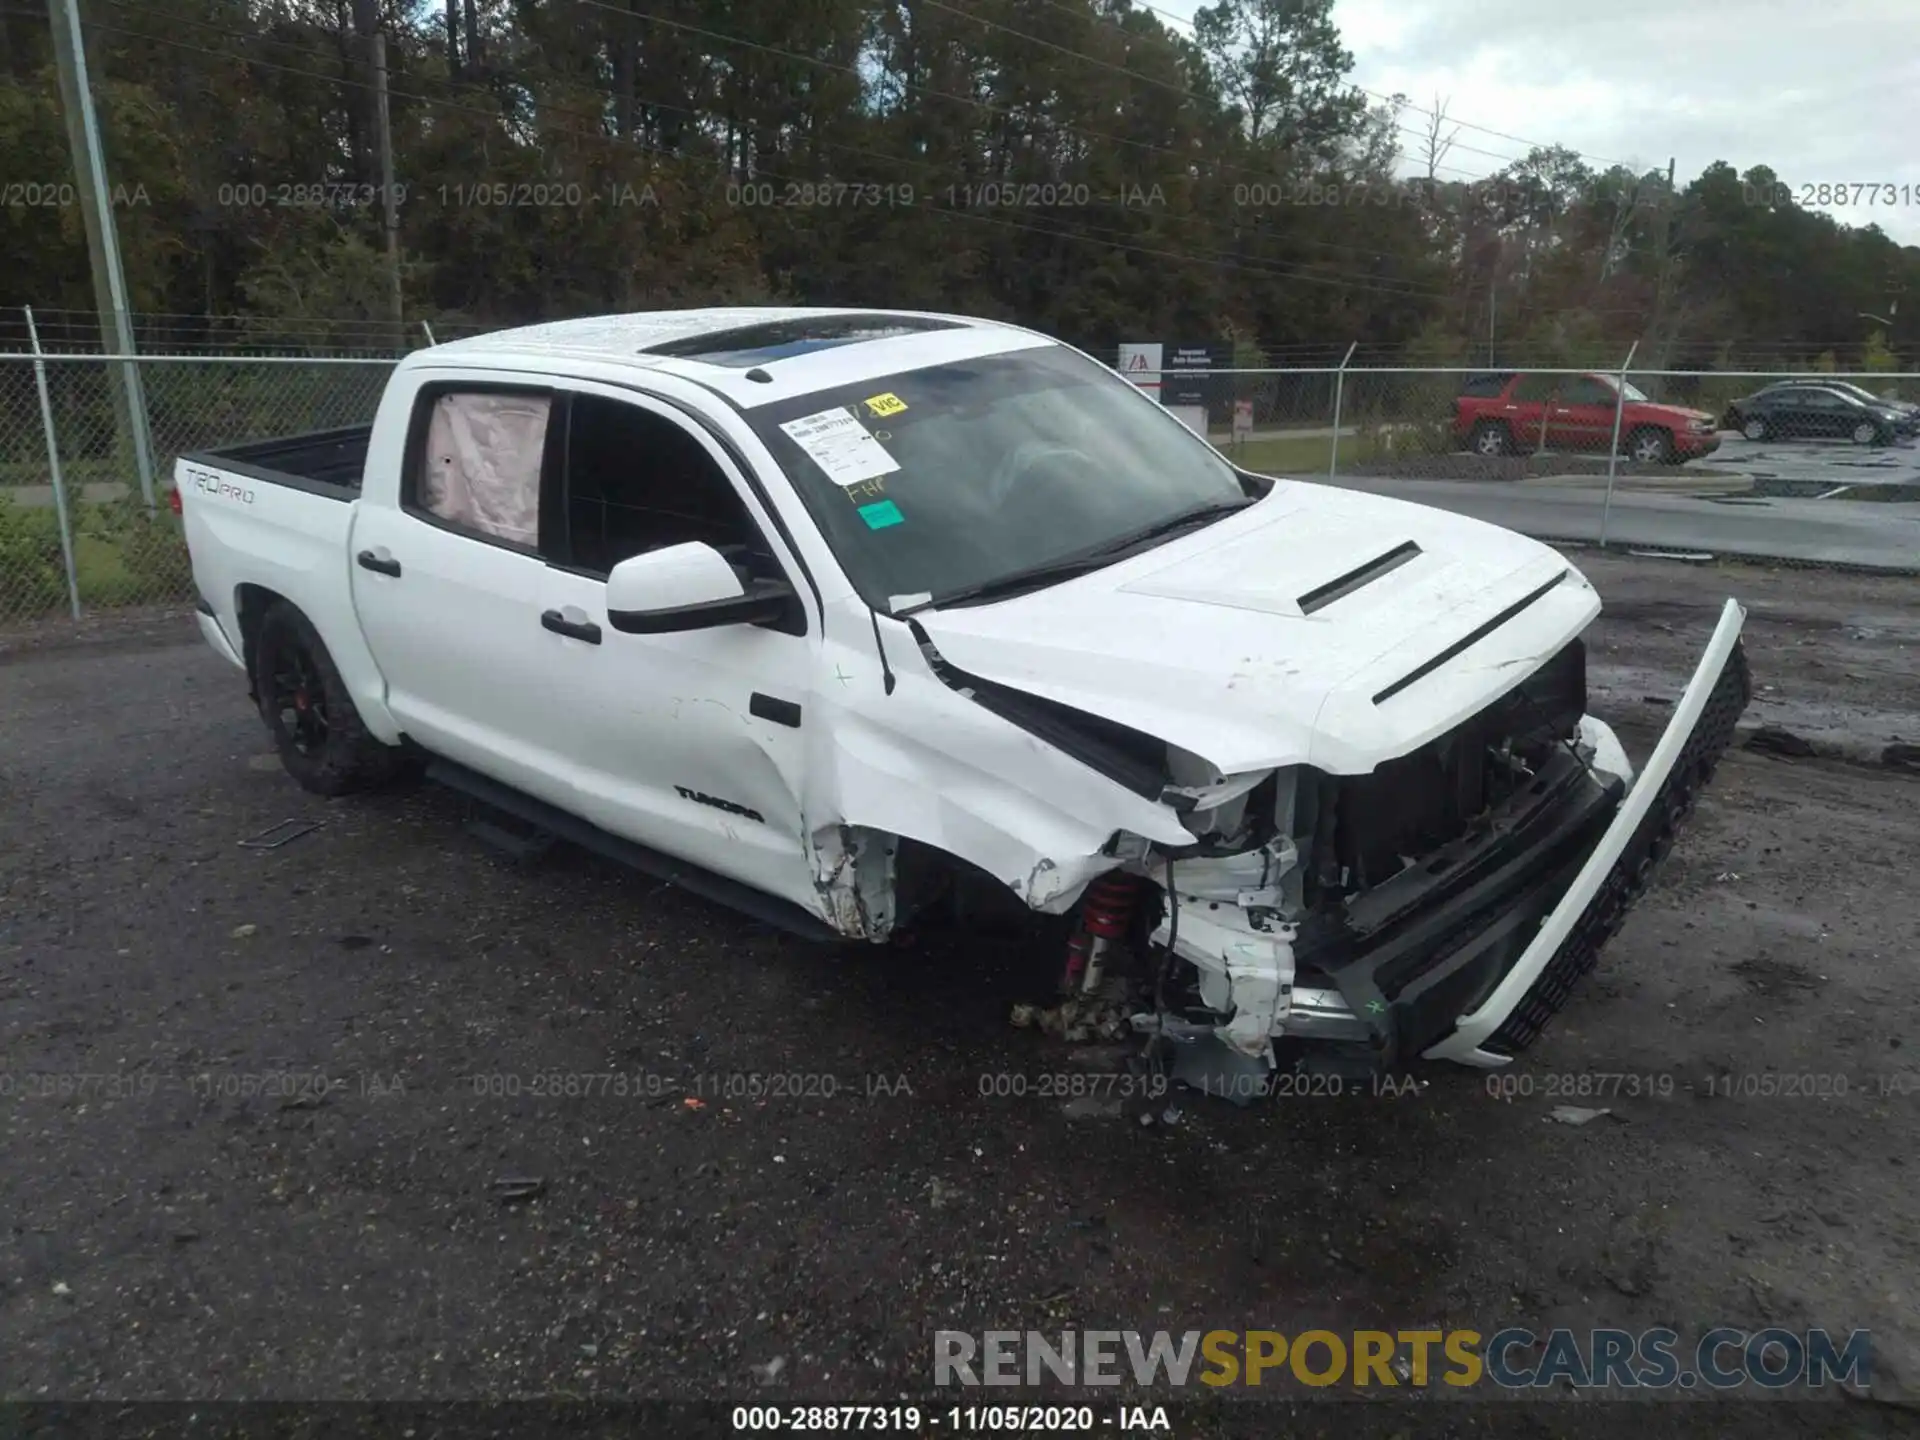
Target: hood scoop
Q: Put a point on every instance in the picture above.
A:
(1322, 596)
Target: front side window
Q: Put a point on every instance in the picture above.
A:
(1585, 390)
(480, 468)
(1629, 390)
(937, 481)
(638, 481)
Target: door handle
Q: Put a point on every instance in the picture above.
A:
(574, 629)
(384, 564)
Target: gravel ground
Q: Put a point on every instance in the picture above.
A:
(169, 1234)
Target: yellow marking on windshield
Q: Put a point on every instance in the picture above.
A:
(887, 404)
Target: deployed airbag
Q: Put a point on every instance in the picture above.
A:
(482, 467)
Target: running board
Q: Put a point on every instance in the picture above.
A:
(1615, 874)
(767, 909)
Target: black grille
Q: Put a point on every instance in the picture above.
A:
(1418, 802)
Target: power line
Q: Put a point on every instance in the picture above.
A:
(1301, 269)
(704, 116)
(1220, 259)
(1403, 100)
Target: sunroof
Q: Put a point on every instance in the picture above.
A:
(751, 345)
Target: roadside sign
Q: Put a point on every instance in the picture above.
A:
(1141, 365)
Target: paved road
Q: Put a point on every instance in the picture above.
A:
(1842, 532)
(1833, 462)
(192, 1216)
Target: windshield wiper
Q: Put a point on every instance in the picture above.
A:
(1106, 553)
(1014, 584)
(1185, 519)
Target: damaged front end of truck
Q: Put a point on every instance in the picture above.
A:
(1442, 905)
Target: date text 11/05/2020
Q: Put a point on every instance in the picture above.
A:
(1722, 1085)
(957, 1419)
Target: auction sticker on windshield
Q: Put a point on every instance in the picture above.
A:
(839, 444)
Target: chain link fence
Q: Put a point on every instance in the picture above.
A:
(78, 534)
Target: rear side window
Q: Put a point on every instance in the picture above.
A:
(1537, 387)
(1484, 387)
(480, 463)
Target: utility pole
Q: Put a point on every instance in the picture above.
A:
(1493, 287)
(389, 202)
(103, 241)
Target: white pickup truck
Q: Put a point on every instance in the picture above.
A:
(825, 613)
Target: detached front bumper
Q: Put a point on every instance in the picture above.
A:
(1615, 873)
(1467, 955)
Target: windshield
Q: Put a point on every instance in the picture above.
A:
(933, 482)
(1629, 390)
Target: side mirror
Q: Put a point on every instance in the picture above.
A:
(688, 587)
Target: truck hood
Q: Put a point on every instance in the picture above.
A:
(1654, 409)
(1320, 626)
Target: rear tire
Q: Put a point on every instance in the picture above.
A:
(318, 732)
(1490, 439)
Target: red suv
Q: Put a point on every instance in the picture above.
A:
(1504, 413)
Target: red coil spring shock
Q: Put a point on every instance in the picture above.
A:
(1106, 911)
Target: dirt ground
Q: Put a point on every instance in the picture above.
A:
(167, 1231)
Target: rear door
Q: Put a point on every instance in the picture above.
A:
(690, 742)
(448, 584)
(1526, 408)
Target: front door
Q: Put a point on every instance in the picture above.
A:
(691, 742)
(1583, 415)
(1826, 414)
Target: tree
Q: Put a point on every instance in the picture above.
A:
(1281, 64)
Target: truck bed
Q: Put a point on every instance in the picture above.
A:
(324, 461)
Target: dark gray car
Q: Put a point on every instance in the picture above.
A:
(1906, 414)
(1823, 411)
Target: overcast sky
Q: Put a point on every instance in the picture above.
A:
(1823, 91)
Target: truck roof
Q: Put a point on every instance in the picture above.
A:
(752, 354)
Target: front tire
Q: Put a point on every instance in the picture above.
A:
(1757, 429)
(1865, 433)
(315, 727)
(1651, 446)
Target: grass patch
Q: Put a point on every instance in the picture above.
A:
(1287, 455)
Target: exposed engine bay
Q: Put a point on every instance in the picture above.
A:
(1245, 952)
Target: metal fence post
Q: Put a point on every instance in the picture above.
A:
(1613, 450)
(431, 342)
(53, 465)
(1339, 385)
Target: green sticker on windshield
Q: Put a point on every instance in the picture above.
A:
(879, 516)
